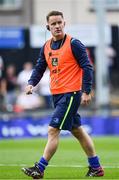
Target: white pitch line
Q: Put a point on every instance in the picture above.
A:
(63, 166)
(81, 166)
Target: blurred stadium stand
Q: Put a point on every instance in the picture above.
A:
(17, 19)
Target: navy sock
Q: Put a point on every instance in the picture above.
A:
(42, 164)
(94, 162)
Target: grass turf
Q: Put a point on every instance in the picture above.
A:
(14, 154)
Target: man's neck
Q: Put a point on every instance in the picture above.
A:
(58, 37)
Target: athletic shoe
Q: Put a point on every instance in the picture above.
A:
(34, 172)
(95, 172)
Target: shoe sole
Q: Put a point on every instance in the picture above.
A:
(96, 175)
(25, 171)
(32, 174)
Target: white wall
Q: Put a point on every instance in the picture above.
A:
(75, 11)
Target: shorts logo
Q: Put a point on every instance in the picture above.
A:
(56, 120)
(54, 61)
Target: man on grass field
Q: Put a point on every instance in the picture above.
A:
(71, 75)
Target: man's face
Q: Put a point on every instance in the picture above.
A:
(56, 25)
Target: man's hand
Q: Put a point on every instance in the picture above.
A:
(86, 98)
(29, 89)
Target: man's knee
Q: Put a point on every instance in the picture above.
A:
(53, 131)
(75, 131)
(78, 132)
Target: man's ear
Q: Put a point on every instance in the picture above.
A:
(47, 27)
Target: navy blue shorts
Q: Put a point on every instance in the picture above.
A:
(65, 115)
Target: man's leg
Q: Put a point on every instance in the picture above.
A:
(37, 171)
(52, 143)
(87, 144)
(85, 141)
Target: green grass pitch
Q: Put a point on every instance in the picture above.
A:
(69, 162)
